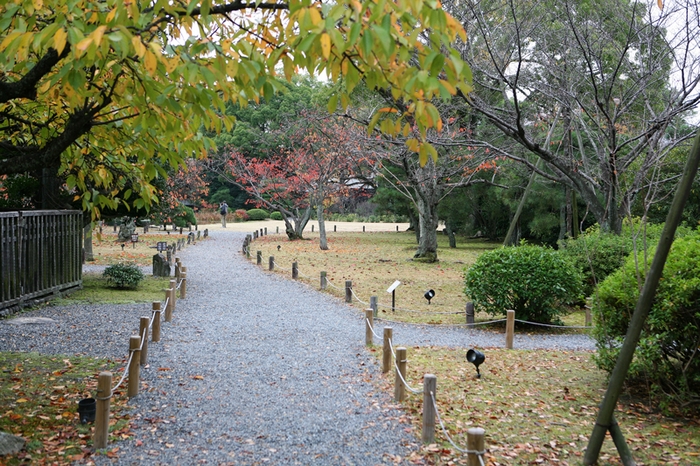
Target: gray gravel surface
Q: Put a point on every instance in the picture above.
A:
(253, 369)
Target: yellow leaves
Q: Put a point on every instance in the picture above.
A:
(150, 62)
(326, 45)
(97, 34)
(59, 40)
(139, 48)
(111, 15)
(83, 45)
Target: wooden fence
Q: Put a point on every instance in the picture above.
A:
(40, 254)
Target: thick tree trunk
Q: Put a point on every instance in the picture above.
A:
(87, 243)
(427, 244)
(323, 242)
(414, 225)
(295, 223)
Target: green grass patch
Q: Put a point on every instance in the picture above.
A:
(39, 397)
(537, 407)
(96, 289)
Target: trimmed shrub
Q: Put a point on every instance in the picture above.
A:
(258, 214)
(123, 275)
(240, 215)
(534, 281)
(183, 215)
(667, 358)
(276, 216)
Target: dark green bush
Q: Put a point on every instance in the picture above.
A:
(534, 281)
(276, 216)
(667, 356)
(258, 214)
(183, 216)
(123, 275)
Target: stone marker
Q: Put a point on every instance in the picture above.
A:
(10, 444)
(161, 266)
(29, 320)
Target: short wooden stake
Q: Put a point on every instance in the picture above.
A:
(177, 268)
(386, 349)
(397, 228)
(143, 333)
(168, 312)
(475, 446)
(510, 328)
(183, 285)
(324, 281)
(399, 388)
(265, 231)
(155, 331)
(104, 393)
(312, 228)
(373, 304)
(369, 324)
(278, 230)
(348, 291)
(173, 296)
(295, 270)
(469, 311)
(258, 255)
(429, 387)
(588, 317)
(133, 385)
(363, 228)
(335, 228)
(272, 263)
(261, 232)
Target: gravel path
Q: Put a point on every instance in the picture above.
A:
(253, 369)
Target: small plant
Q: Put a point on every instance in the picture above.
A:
(534, 281)
(258, 214)
(123, 275)
(276, 216)
(240, 215)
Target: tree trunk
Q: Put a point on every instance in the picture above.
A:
(427, 243)
(87, 243)
(451, 234)
(295, 223)
(414, 225)
(323, 242)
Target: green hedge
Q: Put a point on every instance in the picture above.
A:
(667, 358)
(534, 281)
(258, 214)
(123, 275)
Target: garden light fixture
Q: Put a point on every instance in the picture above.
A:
(476, 357)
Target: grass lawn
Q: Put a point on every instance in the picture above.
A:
(537, 407)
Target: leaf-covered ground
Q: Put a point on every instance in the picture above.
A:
(537, 407)
(39, 397)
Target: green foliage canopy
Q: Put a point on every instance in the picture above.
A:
(107, 93)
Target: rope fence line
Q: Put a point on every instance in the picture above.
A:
(479, 453)
(328, 282)
(138, 345)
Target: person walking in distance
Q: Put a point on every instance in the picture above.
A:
(223, 210)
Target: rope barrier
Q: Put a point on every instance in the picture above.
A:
(356, 297)
(405, 384)
(449, 439)
(126, 371)
(413, 310)
(550, 325)
(441, 325)
(372, 329)
(391, 347)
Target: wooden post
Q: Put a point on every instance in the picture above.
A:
(265, 231)
(133, 386)
(183, 286)
(155, 332)
(312, 228)
(173, 296)
(588, 317)
(363, 228)
(261, 233)
(324, 281)
(510, 328)
(469, 311)
(278, 230)
(369, 324)
(429, 387)
(399, 388)
(335, 228)
(259, 257)
(143, 334)
(177, 268)
(397, 228)
(168, 312)
(475, 443)
(373, 304)
(295, 270)
(104, 393)
(272, 263)
(348, 291)
(386, 349)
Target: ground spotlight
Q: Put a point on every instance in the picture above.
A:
(429, 295)
(476, 357)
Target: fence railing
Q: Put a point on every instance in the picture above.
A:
(40, 254)
(138, 354)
